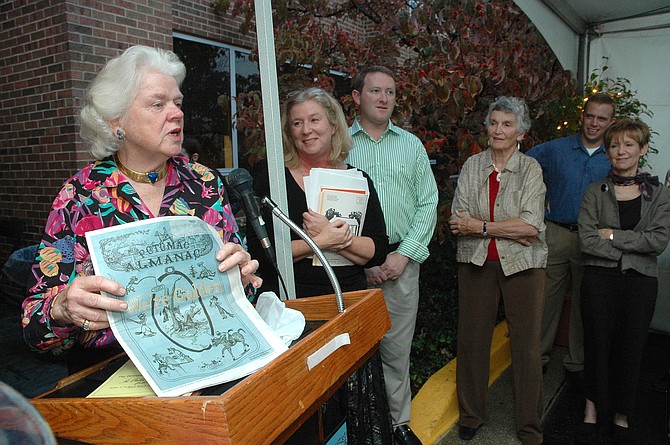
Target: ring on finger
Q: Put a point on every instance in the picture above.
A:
(86, 325)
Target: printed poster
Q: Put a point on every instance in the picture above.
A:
(188, 326)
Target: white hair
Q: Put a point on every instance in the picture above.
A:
(514, 105)
(113, 90)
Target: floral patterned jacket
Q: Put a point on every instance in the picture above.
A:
(96, 197)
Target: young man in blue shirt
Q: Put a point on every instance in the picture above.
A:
(569, 166)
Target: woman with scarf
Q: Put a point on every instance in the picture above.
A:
(623, 226)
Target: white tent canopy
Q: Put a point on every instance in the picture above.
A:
(633, 39)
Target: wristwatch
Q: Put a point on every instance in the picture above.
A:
(484, 234)
(612, 236)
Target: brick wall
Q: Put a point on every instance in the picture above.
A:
(197, 18)
(37, 130)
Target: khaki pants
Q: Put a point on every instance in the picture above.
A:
(402, 302)
(564, 267)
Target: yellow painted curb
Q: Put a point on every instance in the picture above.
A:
(435, 407)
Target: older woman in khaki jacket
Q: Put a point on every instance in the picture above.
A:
(498, 217)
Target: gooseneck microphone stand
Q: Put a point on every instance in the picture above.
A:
(276, 211)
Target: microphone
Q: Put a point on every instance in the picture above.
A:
(276, 211)
(240, 180)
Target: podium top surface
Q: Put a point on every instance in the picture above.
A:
(265, 407)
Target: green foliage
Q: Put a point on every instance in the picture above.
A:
(434, 342)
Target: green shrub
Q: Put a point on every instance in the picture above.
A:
(434, 343)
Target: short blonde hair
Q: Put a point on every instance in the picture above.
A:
(634, 129)
(341, 141)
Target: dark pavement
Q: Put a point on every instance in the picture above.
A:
(649, 421)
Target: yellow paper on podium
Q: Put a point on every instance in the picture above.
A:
(127, 381)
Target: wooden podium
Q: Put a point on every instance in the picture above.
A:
(265, 407)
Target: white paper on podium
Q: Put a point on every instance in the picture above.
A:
(287, 323)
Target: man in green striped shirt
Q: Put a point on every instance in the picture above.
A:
(397, 162)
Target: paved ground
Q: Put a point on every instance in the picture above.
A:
(564, 405)
(499, 428)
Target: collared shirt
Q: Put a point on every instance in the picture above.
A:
(568, 170)
(96, 197)
(521, 195)
(400, 169)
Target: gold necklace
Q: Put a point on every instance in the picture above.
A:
(148, 178)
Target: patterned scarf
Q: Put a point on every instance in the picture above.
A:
(643, 178)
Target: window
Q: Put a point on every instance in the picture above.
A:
(215, 74)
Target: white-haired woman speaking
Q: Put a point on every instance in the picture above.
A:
(133, 123)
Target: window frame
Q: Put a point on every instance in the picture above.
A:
(232, 50)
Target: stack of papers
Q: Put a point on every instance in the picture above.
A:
(341, 194)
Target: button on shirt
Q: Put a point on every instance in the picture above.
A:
(568, 171)
(400, 169)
